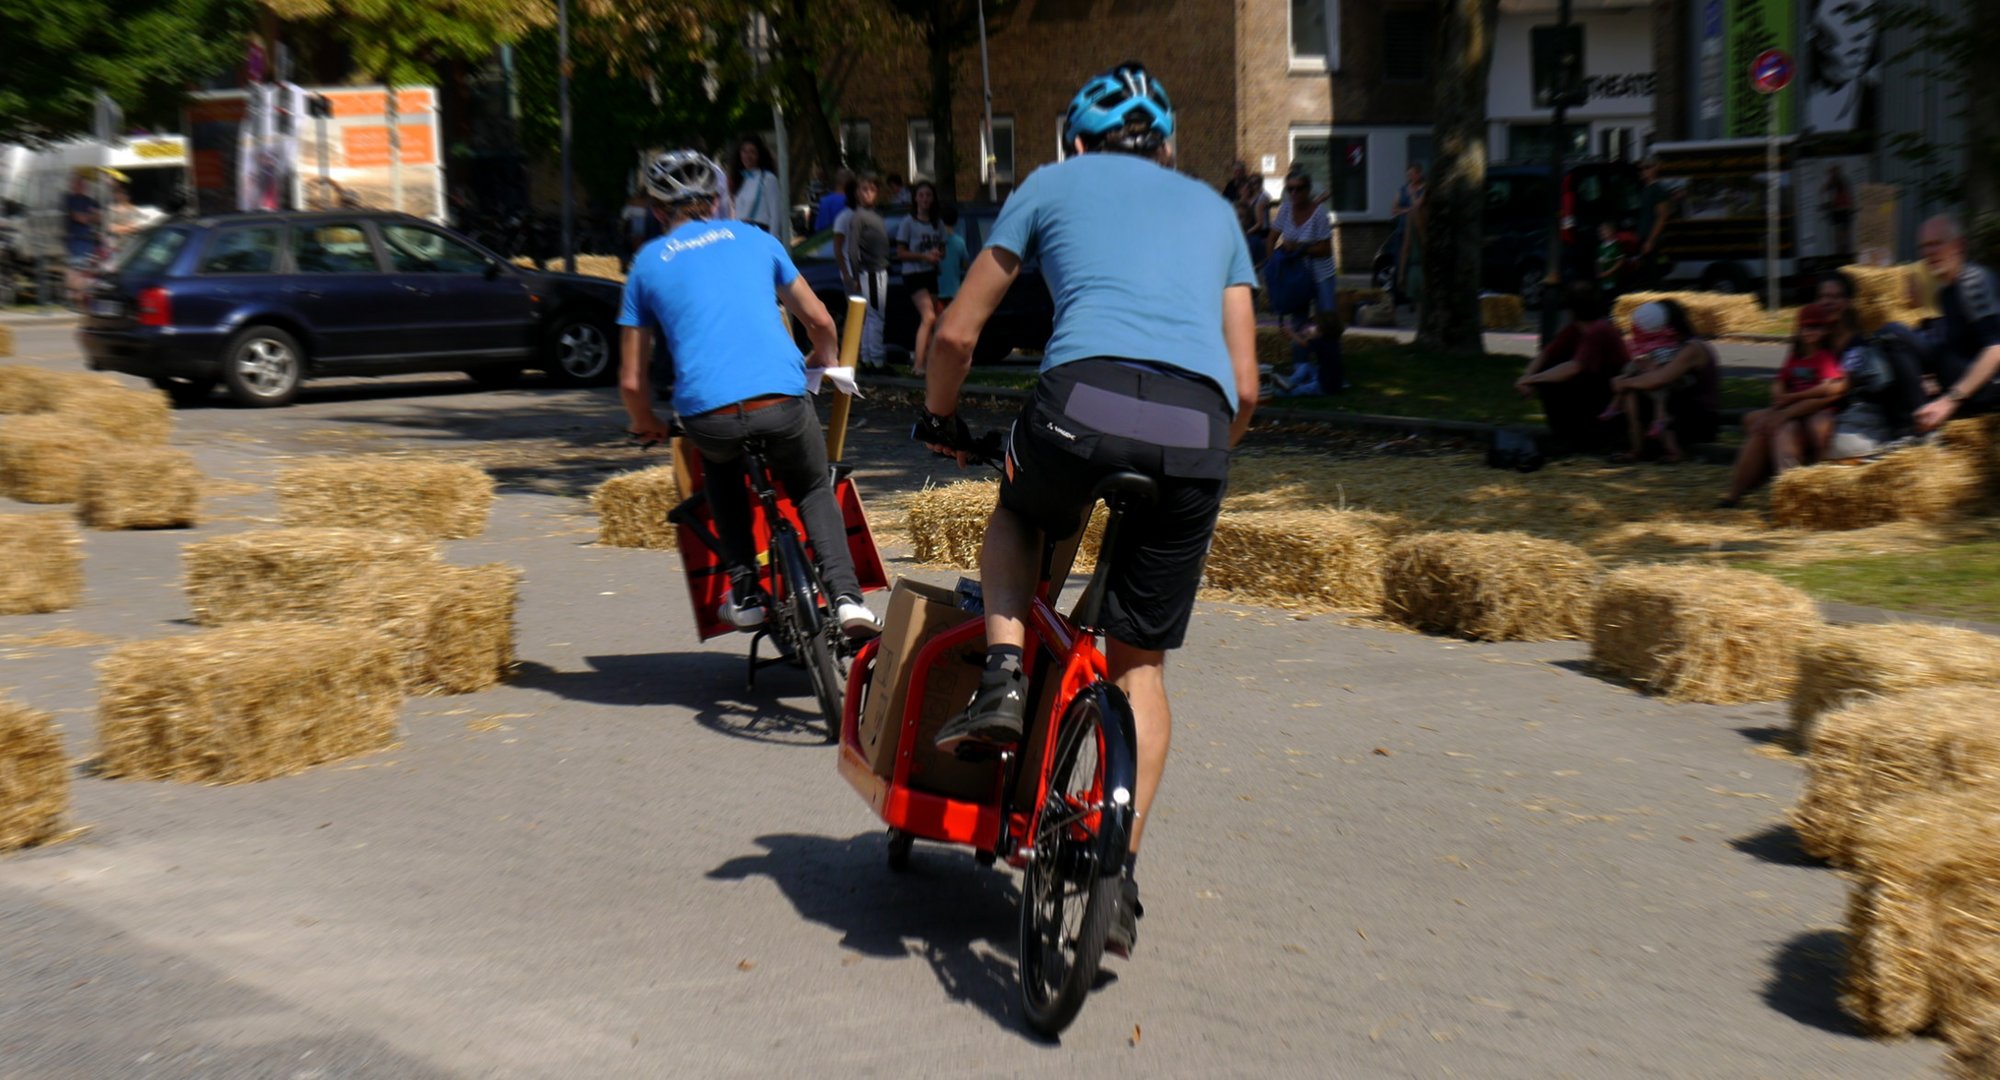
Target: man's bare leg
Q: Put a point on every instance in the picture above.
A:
(1009, 566)
(1141, 674)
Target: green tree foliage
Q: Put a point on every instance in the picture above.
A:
(56, 54)
(404, 41)
(945, 27)
(1953, 46)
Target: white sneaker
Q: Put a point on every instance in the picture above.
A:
(855, 618)
(745, 614)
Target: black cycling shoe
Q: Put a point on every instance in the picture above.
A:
(1124, 931)
(997, 716)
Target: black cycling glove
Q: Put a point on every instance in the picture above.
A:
(946, 431)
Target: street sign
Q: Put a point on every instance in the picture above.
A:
(1772, 71)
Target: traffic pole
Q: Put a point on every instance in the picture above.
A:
(568, 190)
(850, 350)
(1552, 276)
(1771, 222)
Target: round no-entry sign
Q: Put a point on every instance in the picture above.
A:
(1771, 71)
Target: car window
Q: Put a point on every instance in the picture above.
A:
(242, 251)
(413, 250)
(332, 247)
(153, 252)
(818, 248)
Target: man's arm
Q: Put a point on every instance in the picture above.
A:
(951, 351)
(635, 385)
(1977, 375)
(800, 300)
(1239, 333)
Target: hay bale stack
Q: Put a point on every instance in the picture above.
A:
(1923, 922)
(1490, 586)
(1975, 1050)
(1882, 295)
(122, 414)
(947, 524)
(1501, 311)
(141, 487)
(276, 574)
(41, 563)
(632, 508)
(1330, 559)
(453, 626)
(6, 341)
(1920, 483)
(1713, 314)
(26, 389)
(45, 459)
(438, 499)
(1978, 441)
(1841, 664)
(1703, 634)
(247, 702)
(34, 777)
(1875, 751)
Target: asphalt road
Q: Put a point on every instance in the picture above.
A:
(1377, 854)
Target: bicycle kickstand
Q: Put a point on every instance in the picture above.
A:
(750, 676)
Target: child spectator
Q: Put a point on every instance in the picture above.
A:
(1612, 260)
(951, 268)
(1809, 369)
(1653, 346)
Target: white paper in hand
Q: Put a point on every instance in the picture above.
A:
(841, 377)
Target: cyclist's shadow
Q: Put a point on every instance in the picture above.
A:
(960, 918)
(781, 710)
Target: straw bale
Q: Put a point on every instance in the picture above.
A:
(1975, 1050)
(1884, 748)
(141, 487)
(1978, 441)
(1713, 314)
(453, 626)
(440, 499)
(25, 389)
(1501, 311)
(247, 702)
(947, 525)
(632, 508)
(289, 573)
(128, 416)
(6, 341)
(34, 777)
(1490, 586)
(41, 563)
(1705, 634)
(1920, 483)
(1322, 559)
(1923, 930)
(1841, 664)
(44, 459)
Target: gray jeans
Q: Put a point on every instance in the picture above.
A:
(795, 453)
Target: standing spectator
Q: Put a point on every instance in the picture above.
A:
(816, 187)
(1255, 204)
(1656, 208)
(843, 234)
(1572, 375)
(1801, 417)
(1692, 379)
(1966, 363)
(952, 266)
(827, 211)
(81, 217)
(753, 185)
(896, 199)
(635, 224)
(919, 243)
(1303, 231)
(1407, 198)
(1239, 178)
(1837, 203)
(124, 219)
(867, 266)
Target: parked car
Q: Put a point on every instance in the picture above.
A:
(262, 302)
(1516, 250)
(1024, 319)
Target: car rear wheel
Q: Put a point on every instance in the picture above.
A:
(579, 349)
(263, 367)
(185, 391)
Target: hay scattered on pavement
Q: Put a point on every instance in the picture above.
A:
(453, 626)
(1921, 483)
(632, 508)
(1843, 663)
(41, 563)
(141, 487)
(1314, 560)
(274, 574)
(246, 702)
(439, 499)
(45, 459)
(120, 413)
(1490, 586)
(1704, 634)
(1874, 751)
(34, 777)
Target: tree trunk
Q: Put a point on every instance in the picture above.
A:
(938, 45)
(1455, 199)
(799, 83)
(1982, 114)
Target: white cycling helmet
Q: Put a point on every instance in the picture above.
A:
(681, 176)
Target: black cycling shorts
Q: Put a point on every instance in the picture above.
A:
(1061, 449)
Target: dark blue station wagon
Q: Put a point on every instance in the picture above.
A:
(259, 303)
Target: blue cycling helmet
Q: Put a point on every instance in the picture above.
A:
(1123, 109)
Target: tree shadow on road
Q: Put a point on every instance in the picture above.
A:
(958, 917)
(1805, 981)
(780, 711)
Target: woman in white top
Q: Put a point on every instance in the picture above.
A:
(1302, 229)
(919, 243)
(753, 185)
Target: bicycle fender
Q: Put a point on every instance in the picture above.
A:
(1121, 773)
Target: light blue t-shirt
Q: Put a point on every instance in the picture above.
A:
(711, 288)
(1136, 257)
(951, 268)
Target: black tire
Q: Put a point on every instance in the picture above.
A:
(1070, 874)
(900, 844)
(497, 376)
(810, 631)
(263, 367)
(185, 391)
(580, 350)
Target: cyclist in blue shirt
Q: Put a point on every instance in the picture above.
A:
(709, 287)
(1152, 368)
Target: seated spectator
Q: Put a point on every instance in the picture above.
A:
(1692, 379)
(1804, 400)
(1966, 364)
(1654, 345)
(1572, 375)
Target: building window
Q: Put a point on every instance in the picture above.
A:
(857, 145)
(1001, 153)
(1617, 144)
(923, 151)
(1309, 34)
(1529, 143)
(1417, 151)
(1338, 165)
(1409, 38)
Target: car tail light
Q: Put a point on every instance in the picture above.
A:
(156, 307)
